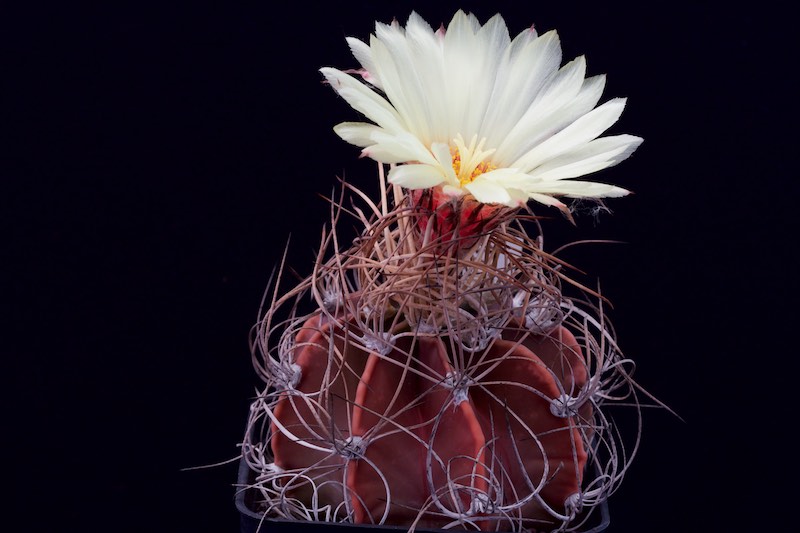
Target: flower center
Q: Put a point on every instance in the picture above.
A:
(468, 177)
(469, 161)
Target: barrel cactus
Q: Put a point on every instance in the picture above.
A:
(444, 370)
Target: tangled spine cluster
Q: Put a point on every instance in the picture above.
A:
(441, 379)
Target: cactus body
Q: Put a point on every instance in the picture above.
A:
(427, 438)
(440, 380)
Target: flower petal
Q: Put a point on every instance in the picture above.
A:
(357, 133)
(364, 100)
(416, 176)
(410, 67)
(580, 189)
(510, 177)
(460, 48)
(526, 66)
(586, 128)
(442, 154)
(547, 200)
(488, 192)
(546, 109)
(591, 157)
(398, 148)
(548, 120)
(363, 53)
(491, 41)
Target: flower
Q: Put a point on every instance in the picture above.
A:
(469, 110)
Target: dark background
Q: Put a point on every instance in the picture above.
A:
(155, 160)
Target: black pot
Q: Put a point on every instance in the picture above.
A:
(254, 522)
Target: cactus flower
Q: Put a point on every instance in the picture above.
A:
(471, 111)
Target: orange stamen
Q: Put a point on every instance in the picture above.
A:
(482, 168)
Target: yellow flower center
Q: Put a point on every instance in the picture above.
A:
(464, 179)
(469, 161)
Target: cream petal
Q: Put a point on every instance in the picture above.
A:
(401, 83)
(494, 37)
(492, 40)
(518, 196)
(598, 154)
(487, 192)
(416, 176)
(426, 53)
(451, 190)
(562, 85)
(364, 100)
(363, 54)
(413, 61)
(547, 200)
(463, 23)
(579, 189)
(523, 39)
(558, 91)
(551, 121)
(510, 178)
(460, 48)
(526, 65)
(416, 23)
(357, 133)
(415, 150)
(399, 148)
(423, 44)
(586, 128)
(386, 153)
(442, 154)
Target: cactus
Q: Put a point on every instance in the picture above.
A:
(434, 383)
(444, 370)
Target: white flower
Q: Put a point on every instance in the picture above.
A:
(470, 110)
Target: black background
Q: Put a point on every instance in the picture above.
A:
(155, 160)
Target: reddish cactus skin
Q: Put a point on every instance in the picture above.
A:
(460, 220)
(400, 405)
